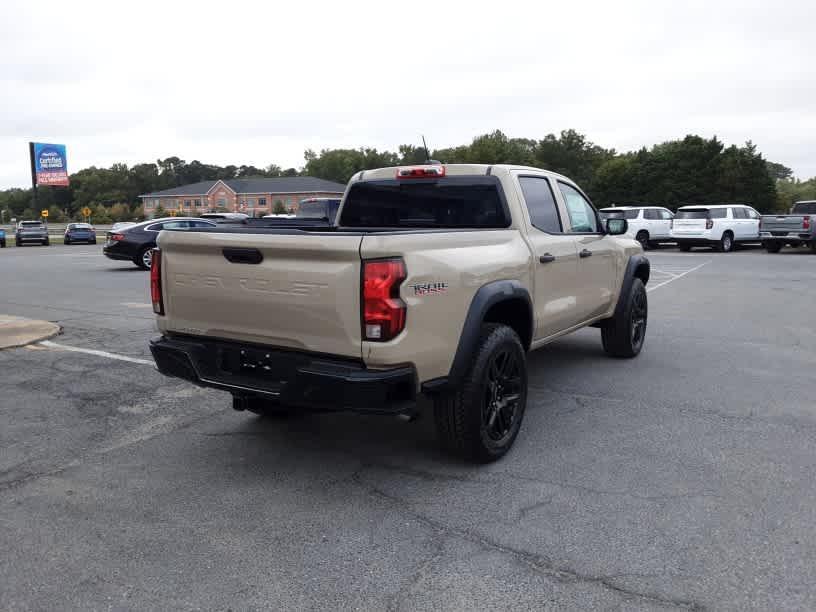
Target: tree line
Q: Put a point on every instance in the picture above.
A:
(693, 170)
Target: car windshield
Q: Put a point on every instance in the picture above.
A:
(694, 213)
(31, 224)
(79, 226)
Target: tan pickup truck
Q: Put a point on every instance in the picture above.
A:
(434, 281)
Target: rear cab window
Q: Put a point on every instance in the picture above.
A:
(457, 202)
(804, 208)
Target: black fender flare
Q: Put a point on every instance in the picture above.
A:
(485, 298)
(637, 267)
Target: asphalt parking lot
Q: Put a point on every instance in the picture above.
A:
(681, 479)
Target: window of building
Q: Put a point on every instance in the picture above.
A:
(197, 203)
(261, 202)
(148, 203)
(188, 204)
(221, 202)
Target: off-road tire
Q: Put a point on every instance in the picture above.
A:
(618, 334)
(460, 414)
(685, 248)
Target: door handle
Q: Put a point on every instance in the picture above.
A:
(546, 258)
(585, 253)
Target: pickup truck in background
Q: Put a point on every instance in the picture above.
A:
(435, 281)
(796, 229)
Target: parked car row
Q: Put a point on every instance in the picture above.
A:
(720, 226)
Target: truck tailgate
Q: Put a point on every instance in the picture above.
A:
(290, 290)
(782, 223)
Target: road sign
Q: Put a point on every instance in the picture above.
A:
(44, 213)
(86, 212)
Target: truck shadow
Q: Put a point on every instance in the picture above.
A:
(319, 438)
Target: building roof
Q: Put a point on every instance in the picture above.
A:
(279, 184)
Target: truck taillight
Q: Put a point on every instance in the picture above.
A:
(155, 283)
(709, 223)
(806, 222)
(383, 310)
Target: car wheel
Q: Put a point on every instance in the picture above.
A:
(145, 258)
(623, 335)
(46, 242)
(685, 248)
(813, 246)
(18, 243)
(643, 238)
(94, 241)
(726, 243)
(480, 420)
(773, 247)
(66, 241)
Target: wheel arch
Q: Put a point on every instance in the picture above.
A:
(638, 266)
(507, 302)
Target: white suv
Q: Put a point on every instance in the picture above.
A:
(721, 226)
(649, 225)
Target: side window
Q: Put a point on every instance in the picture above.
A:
(666, 215)
(581, 213)
(631, 214)
(540, 202)
(201, 224)
(174, 225)
(651, 214)
(738, 213)
(752, 214)
(718, 213)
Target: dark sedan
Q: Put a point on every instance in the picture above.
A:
(136, 243)
(80, 232)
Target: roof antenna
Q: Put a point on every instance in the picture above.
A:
(428, 159)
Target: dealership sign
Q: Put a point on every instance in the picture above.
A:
(49, 164)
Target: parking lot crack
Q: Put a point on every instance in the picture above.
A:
(538, 563)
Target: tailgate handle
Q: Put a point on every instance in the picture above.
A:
(243, 256)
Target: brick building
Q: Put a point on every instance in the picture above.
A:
(254, 196)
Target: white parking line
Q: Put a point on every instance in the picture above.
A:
(674, 277)
(76, 349)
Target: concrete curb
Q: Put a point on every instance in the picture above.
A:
(16, 331)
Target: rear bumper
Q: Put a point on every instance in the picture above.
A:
(798, 236)
(292, 378)
(696, 241)
(32, 237)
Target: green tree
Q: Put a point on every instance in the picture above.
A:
(159, 212)
(279, 208)
(55, 215)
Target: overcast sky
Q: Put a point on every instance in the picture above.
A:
(258, 82)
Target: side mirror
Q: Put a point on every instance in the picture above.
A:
(616, 227)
